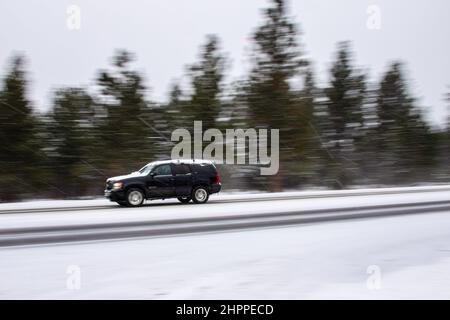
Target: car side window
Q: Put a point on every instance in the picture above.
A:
(204, 169)
(163, 170)
(180, 169)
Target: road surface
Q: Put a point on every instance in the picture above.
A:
(372, 244)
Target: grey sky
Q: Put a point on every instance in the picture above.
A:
(166, 34)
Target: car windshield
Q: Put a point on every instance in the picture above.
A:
(146, 170)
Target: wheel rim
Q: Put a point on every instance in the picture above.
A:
(135, 198)
(200, 195)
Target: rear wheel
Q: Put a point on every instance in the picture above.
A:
(135, 197)
(184, 199)
(200, 195)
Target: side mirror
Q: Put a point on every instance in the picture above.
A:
(152, 174)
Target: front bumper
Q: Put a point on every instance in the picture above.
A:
(115, 195)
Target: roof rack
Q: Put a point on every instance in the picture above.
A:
(199, 161)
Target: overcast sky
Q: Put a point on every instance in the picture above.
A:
(166, 34)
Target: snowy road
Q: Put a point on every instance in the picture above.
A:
(402, 251)
(153, 228)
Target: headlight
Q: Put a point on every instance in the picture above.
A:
(117, 185)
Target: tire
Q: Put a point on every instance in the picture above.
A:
(200, 194)
(184, 199)
(135, 197)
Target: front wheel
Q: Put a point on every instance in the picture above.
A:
(200, 195)
(135, 197)
(184, 199)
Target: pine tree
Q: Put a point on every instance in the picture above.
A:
(442, 170)
(367, 152)
(447, 143)
(128, 128)
(448, 121)
(177, 109)
(71, 141)
(206, 80)
(272, 102)
(19, 156)
(169, 117)
(345, 98)
(314, 114)
(405, 145)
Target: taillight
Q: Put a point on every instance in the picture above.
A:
(217, 178)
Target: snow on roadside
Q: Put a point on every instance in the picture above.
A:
(171, 209)
(46, 204)
(328, 260)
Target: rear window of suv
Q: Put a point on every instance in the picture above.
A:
(204, 169)
(180, 169)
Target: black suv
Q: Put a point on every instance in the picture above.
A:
(183, 179)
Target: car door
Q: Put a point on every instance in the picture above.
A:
(183, 179)
(160, 182)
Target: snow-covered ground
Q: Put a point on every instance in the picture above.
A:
(42, 204)
(172, 209)
(379, 258)
(406, 257)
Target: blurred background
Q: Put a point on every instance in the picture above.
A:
(93, 90)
